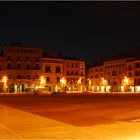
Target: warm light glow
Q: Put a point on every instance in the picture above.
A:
(104, 82)
(137, 88)
(132, 89)
(63, 81)
(79, 80)
(102, 88)
(108, 88)
(4, 79)
(42, 80)
(126, 80)
(122, 88)
(89, 82)
(92, 88)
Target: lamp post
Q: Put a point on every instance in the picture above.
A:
(104, 84)
(63, 83)
(4, 80)
(79, 84)
(89, 84)
(126, 82)
(42, 81)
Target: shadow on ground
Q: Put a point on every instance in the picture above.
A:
(76, 110)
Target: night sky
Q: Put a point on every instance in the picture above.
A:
(88, 30)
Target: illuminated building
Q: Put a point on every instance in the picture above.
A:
(74, 72)
(28, 69)
(116, 74)
(52, 70)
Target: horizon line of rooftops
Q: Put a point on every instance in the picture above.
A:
(123, 55)
(45, 54)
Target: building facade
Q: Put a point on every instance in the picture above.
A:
(74, 72)
(116, 74)
(25, 69)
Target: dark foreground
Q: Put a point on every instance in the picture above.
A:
(78, 110)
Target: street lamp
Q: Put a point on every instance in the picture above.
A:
(89, 84)
(63, 83)
(4, 80)
(126, 81)
(104, 84)
(79, 84)
(42, 80)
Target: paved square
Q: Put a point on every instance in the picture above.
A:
(70, 117)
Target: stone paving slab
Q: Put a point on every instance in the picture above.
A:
(17, 124)
(29, 126)
(6, 133)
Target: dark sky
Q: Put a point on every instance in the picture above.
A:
(89, 30)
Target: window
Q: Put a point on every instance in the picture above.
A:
(18, 76)
(0, 68)
(129, 74)
(37, 67)
(28, 76)
(108, 81)
(18, 59)
(137, 81)
(18, 66)
(27, 67)
(129, 67)
(72, 73)
(114, 73)
(58, 79)
(37, 76)
(67, 65)
(82, 73)
(58, 70)
(137, 65)
(27, 59)
(47, 79)
(68, 72)
(114, 80)
(47, 69)
(76, 65)
(120, 81)
(68, 79)
(137, 73)
(72, 65)
(8, 66)
(37, 59)
(76, 73)
(9, 58)
(9, 77)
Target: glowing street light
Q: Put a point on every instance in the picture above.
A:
(79, 80)
(104, 84)
(79, 84)
(4, 80)
(42, 80)
(126, 80)
(63, 82)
